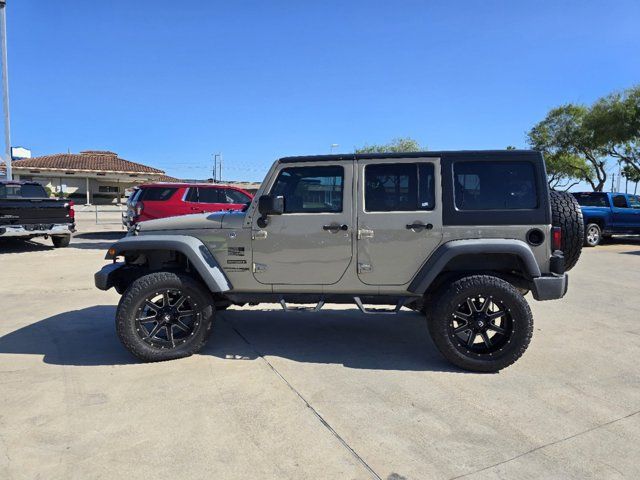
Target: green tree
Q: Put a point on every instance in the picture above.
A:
(569, 148)
(615, 123)
(397, 145)
(632, 175)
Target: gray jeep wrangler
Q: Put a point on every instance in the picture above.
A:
(460, 237)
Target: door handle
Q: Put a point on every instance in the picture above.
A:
(419, 226)
(334, 227)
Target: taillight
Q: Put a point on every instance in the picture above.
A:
(72, 212)
(556, 238)
(139, 208)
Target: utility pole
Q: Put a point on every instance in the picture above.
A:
(5, 86)
(220, 167)
(217, 165)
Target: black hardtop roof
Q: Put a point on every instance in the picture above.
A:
(477, 154)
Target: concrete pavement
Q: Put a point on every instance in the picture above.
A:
(335, 395)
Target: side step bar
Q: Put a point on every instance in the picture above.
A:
(356, 300)
(379, 311)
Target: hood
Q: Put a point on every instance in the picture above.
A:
(196, 221)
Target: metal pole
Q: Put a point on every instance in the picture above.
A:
(220, 167)
(5, 86)
(217, 162)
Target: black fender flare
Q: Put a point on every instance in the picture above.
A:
(198, 254)
(448, 251)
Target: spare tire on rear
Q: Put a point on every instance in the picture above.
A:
(566, 214)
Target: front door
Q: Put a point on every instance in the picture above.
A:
(399, 218)
(311, 242)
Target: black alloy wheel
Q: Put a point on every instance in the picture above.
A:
(167, 319)
(164, 316)
(481, 325)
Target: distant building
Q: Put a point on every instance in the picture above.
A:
(92, 176)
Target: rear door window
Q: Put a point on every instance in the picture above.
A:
(210, 195)
(399, 187)
(494, 185)
(156, 194)
(620, 201)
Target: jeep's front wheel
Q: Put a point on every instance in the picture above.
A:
(164, 316)
(481, 323)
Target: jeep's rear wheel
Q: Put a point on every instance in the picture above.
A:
(481, 323)
(567, 214)
(163, 316)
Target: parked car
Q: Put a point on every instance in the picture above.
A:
(457, 236)
(160, 200)
(606, 214)
(26, 211)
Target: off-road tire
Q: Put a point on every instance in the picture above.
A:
(136, 295)
(60, 241)
(448, 299)
(566, 214)
(592, 235)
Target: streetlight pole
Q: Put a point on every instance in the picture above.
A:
(5, 86)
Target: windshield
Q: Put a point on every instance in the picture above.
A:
(592, 199)
(23, 191)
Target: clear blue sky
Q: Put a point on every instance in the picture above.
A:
(167, 83)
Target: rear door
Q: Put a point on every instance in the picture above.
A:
(623, 214)
(634, 203)
(399, 218)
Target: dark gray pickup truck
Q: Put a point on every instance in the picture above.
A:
(26, 211)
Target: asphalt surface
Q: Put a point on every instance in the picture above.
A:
(329, 395)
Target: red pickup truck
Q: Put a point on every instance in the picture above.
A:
(159, 200)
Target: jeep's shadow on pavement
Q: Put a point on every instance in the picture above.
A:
(87, 337)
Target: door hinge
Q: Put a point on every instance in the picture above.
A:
(259, 267)
(259, 235)
(364, 233)
(364, 268)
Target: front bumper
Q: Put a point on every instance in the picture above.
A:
(36, 230)
(550, 287)
(106, 277)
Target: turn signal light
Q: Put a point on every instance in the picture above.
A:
(111, 252)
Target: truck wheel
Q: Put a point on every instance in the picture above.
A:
(592, 235)
(566, 214)
(480, 323)
(163, 316)
(60, 241)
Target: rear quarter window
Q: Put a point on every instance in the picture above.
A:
(156, 194)
(499, 185)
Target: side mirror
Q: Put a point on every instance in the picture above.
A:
(269, 205)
